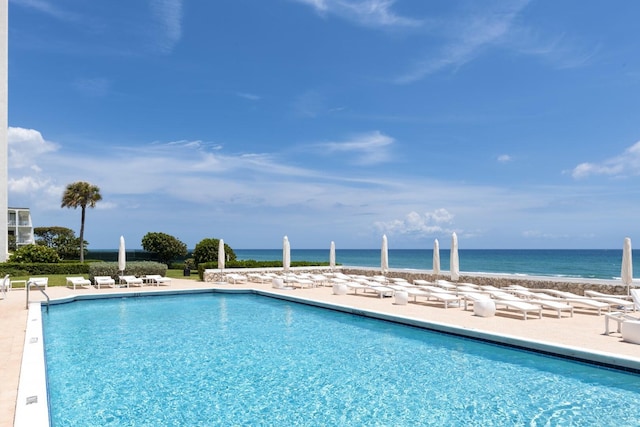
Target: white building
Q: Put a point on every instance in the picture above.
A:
(20, 226)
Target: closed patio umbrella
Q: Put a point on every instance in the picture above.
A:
(454, 261)
(436, 257)
(384, 255)
(286, 254)
(626, 272)
(221, 255)
(122, 256)
(332, 255)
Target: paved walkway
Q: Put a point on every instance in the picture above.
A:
(584, 331)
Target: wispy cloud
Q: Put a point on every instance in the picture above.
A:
(205, 181)
(467, 35)
(497, 25)
(49, 8)
(249, 96)
(168, 17)
(504, 158)
(92, 86)
(310, 104)
(628, 163)
(369, 148)
(561, 51)
(370, 13)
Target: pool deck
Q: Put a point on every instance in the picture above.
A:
(584, 332)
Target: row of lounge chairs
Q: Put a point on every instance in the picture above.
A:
(513, 298)
(128, 280)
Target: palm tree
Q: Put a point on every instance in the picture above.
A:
(81, 194)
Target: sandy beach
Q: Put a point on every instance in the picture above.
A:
(583, 332)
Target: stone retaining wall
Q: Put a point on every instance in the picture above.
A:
(576, 286)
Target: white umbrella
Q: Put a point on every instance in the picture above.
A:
(286, 254)
(332, 255)
(221, 255)
(436, 257)
(384, 255)
(454, 267)
(122, 256)
(626, 272)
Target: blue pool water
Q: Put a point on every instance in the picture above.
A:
(219, 359)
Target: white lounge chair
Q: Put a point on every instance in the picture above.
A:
(235, 278)
(131, 281)
(78, 281)
(375, 287)
(352, 285)
(620, 316)
(320, 280)
(513, 302)
(615, 301)
(546, 301)
(521, 306)
(441, 295)
(103, 281)
(41, 282)
(5, 285)
(582, 301)
(157, 279)
(473, 297)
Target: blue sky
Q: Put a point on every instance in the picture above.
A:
(513, 123)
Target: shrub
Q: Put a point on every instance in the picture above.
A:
(34, 253)
(164, 246)
(207, 251)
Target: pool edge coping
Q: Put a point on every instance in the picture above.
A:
(33, 381)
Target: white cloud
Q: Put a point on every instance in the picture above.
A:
(371, 13)
(370, 148)
(628, 163)
(168, 16)
(27, 184)
(428, 224)
(25, 145)
(504, 158)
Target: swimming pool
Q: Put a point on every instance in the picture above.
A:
(220, 359)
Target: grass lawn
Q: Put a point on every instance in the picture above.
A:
(61, 279)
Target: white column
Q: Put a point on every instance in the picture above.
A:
(4, 107)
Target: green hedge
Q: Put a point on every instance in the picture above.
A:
(43, 268)
(135, 268)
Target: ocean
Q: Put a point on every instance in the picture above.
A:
(584, 263)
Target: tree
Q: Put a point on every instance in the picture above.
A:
(62, 239)
(207, 251)
(164, 246)
(81, 194)
(34, 253)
